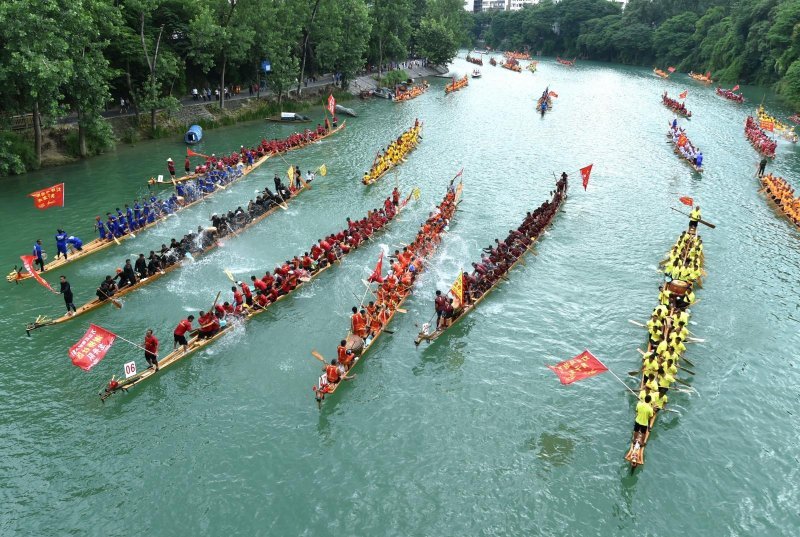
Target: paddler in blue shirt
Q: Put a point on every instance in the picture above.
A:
(101, 228)
(137, 213)
(698, 160)
(61, 243)
(75, 243)
(133, 224)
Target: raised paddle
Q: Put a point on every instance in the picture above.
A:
(712, 226)
(229, 274)
(117, 303)
(318, 356)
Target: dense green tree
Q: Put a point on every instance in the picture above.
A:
(391, 30)
(341, 37)
(436, 42)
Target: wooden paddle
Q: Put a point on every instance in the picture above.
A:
(712, 226)
(229, 274)
(117, 303)
(318, 356)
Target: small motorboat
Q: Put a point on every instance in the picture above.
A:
(289, 117)
(476, 73)
(383, 93)
(193, 135)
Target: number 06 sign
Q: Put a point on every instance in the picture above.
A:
(130, 369)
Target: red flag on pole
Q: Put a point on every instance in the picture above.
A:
(585, 173)
(49, 197)
(768, 125)
(190, 153)
(736, 87)
(671, 69)
(686, 200)
(553, 94)
(684, 94)
(27, 262)
(376, 274)
(331, 105)
(583, 366)
(92, 347)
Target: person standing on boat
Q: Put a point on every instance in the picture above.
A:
(151, 349)
(186, 165)
(38, 254)
(644, 412)
(61, 243)
(762, 166)
(698, 160)
(66, 290)
(179, 335)
(694, 217)
(171, 167)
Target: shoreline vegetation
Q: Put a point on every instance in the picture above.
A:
(743, 42)
(63, 61)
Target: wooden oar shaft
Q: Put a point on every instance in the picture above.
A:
(709, 224)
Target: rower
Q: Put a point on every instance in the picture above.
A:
(107, 289)
(358, 323)
(75, 243)
(61, 243)
(238, 299)
(439, 305)
(66, 290)
(179, 335)
(38, 254)
(151, 349)
(332, 372)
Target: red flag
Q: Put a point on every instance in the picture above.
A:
(686, 200)
(768, 125)
(736, 87)
(671, 69)
(583, 366)
(708, 74)
(190, 153)
(27, 262)
(585, 173)
(684, 94)
(331, 105)
(376, 274)
(49, 197)
(92, 347)
(553, 94)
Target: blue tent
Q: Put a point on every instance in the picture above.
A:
(193, 135)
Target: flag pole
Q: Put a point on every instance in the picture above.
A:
(130, 342)
(616, 377)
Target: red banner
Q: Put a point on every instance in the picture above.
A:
(376, 274)
(768, 125)
(684, 94)
(585, 173)
(190, 153)
(331, 105)
(49, 197)
(736, 87)
(583, 366)
(671, 69)
(27, 262)
(686, 200)
(553, 94)
(92, 347)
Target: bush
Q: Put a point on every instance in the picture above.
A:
(17, 154)
(99, 138)
(393, 78)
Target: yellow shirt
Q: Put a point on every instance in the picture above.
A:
(643, 413)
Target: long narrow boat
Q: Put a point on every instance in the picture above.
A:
(196, 343)
(98, 244)
(277, 153)
(476, 61)
(778, 191)
(492, 61)
(668, 315)
(512, 65)
(784, 130)
(730, 95)
(456, 85)
(517, 55)
(762, 143)
(378, 170)
(557, 200)
(658, 72)
(412, 92)
(566, 63)
(705, 79)
(92, 305)
(682, 141)
(359, 346)
(675, 106)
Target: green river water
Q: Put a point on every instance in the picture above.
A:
(471, 435)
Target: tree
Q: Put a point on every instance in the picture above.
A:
(220, 33)
(342, 32)
(391, 30)
(436, 42)
(33, 64)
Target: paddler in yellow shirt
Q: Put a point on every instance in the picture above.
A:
(644, 412)
(694, 217)
(659, 399)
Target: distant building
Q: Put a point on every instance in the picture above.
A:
(497, 5)
(494, 5)
(516, 5)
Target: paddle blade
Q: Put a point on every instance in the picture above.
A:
(323, 170)
(117, 304)
(318, 356)
(229, 274)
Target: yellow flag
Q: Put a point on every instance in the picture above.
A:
(458, 287)
(290, 173)
(323, 170)
(415, 193)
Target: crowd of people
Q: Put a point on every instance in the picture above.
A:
(512, 65)
(130, 219)
(194, 243)
(783, 195)
(758, 138)
(677, 106)
(456, 84)
(730, 95)
(394, 153)
(668, 332)
(784, 130)
(473, 59)
(684, 146)
(498, 259)
(366, 322)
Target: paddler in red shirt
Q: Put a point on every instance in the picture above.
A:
(180, 332)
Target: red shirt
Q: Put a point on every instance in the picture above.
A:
(260, 285)
(246, 290)
(238, 299)
(151, 344)
(183, 327)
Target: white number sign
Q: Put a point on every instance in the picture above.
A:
(130, 369)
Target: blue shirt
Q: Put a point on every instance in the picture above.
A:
(37, 250)
(61, 239)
